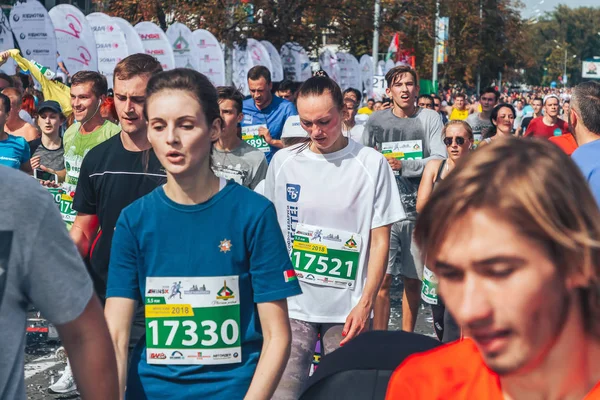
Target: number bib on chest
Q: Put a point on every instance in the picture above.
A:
(406, 150)
(193, 320)
(326, 257)
(250, 136)
(430, 287)
(66, 207)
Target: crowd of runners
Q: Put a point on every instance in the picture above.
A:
(186, 240)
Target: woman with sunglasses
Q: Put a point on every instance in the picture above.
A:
(458, 138)
(502, 118)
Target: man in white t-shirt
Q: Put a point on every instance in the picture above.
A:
(351, 129)
(408, 136)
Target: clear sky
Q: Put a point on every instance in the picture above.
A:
(539, 7)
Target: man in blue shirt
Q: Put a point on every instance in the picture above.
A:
(584, 123)
(264, 114)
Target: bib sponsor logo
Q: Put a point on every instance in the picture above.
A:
(293, 192)
(176, 355)
(157, 52)
(158, 356)
(158, 291)
(225, 246)
(197, 290)
(225, 293)
(351, 243)
(149, 36)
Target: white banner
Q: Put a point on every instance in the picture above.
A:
(277, 71)
(6, 43)
(366, 74)
(329, 64)
(380, 68)
(110, 44)
(74, 38)
(212, 61)
(349, 71)
(186, 54)
(296, 65)
(156, 44)
(389, 64)
(379, 86)
(259, 55)
(34, 31)
(134, 43)
(241, 64)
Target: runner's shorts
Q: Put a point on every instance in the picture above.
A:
(404, 256)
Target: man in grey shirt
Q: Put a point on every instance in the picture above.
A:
(408, 136)
(481, 122)
(232, 158)
(39, 264)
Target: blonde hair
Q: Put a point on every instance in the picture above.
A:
(464, 125)
(541, 192)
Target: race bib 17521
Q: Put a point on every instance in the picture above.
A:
(326, 257)
(193, 320)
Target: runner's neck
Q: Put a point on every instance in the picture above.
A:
(548, 120)
(194, 187)
(228, 141)
(404, 112)
(14, 123)
(135, 141)
(568, 370)
(92, 125)
(485, 115)
(51, 141)
(264, 106)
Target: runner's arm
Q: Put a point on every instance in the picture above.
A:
(426, 186)
(357, 321)
(119, 313)
(87, 341)
(84, 231)
(275, 325)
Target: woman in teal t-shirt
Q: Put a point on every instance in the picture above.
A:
(207, 258)
(14, 150)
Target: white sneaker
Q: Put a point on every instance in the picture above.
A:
(65, 384)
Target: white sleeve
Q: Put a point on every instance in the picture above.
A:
(387, 207)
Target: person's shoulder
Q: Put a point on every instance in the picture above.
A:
(24, 190)
(380, 115)
(247, 201)
(20, 140)
(441, 359)
(251, 153)
(111, 128)
(248, 104)
(430, 114)
(97, 154)
(283, 155)
(141, 209)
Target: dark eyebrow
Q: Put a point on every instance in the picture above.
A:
(500, 260)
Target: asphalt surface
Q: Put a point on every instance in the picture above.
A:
(43, 369)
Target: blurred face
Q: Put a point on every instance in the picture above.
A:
(425, 103)
(3, 115)
(519, 105)
(15, 105)
(370, 104)
(351, 96)
(403, 91)
(457, 141)
(437, 104)
(537, 106)
(231, 117)
(322, 119)
(84, 102)
(49, 122)
(377, 106)
(507, 295)
(350, 109)
(260, 91)
(504, 121)
(551, 107)
(285, 94)
(179, 133)
(566, 107)
(4, 84)
(459, 103)
(130, 95)
(488, 102)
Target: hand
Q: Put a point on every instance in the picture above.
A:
(395, 164)
(265, 133)
(357, 322)
(386, 105)
(35, 162)
(50, 184)
(4, 56)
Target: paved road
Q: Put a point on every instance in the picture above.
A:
(42, 368)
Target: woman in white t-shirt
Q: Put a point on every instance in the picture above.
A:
(335, 202)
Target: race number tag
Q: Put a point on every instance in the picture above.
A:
(406, 150)
(66, 207)
(430, 287)
(250, 136)
(56, 194)
(326, 257)
(193, 320)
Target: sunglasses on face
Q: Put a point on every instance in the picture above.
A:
(459, 141)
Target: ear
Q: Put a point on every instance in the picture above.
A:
(240, 117)
(215, 129)
(270, 86)
(388, 92)
(573, 118)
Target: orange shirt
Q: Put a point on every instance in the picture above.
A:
(566, 142)
(453, 371)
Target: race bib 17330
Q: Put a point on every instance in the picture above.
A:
(326, 257)
(193, 320)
